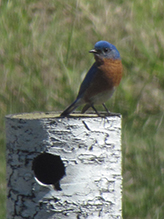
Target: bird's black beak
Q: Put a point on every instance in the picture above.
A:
(92, 51)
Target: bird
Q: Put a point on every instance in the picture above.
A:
(101, 80)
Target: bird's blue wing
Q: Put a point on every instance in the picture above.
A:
(84, 86)
(87, 80)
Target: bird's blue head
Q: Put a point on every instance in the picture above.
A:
(103, 49)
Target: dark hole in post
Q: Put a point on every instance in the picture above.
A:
(49, 169)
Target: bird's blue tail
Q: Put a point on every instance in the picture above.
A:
(70, 109)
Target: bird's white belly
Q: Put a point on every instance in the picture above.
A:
(102, 97)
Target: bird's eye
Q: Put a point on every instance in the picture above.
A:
(106, 50)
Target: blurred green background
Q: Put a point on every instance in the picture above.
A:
(44, 56)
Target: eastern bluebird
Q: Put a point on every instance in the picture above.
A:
(101, 80)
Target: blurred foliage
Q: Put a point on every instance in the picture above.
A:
(44, 56)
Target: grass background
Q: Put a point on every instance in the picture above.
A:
(44, 56)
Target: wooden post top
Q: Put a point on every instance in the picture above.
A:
(44, 115)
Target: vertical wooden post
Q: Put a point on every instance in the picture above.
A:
(63, 167)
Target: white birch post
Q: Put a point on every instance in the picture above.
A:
(85, 150)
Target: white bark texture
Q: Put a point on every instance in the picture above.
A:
(90, 148)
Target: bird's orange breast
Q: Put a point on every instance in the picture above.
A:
(111, 71)
(107, 77)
